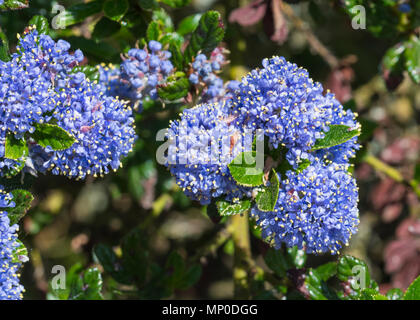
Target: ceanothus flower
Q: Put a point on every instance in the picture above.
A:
(204, 75)
(110, 81)
(10, 288)
(52, 92)
(283, 101)
(142, 70)
(316, 209)
(202, 144)
(103, 127)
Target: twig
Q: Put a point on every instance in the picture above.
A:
(391, 172)
(312, 39)
(242, 256)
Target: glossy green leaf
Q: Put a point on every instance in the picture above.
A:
(111, 264)
(105, 28)
(52, 135)
(395, 294)
(115, 9)
(153, 31)
(15, 148)
(177, 57)
(267, 198)
(174, 89)
(355, 271)
(147, 4)
(135, 258)
(4, 47)
(14, 4)
(226, 208)
(41, 24)
(412, 59)
(78, 13)
(327, 270)
(189, 24)
(87, 287)
(91, 73)
(176, 3)
(244, 170)
(413, 291)
(371, 294)
(22, 199)
(20, 253)
(208, 34)
(338, 134)
(277, 262)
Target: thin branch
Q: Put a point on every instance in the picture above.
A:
(312, 39)
(391, 172)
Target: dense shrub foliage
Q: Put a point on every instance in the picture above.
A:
(197, 138)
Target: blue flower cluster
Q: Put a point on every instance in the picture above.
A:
(204, 76)
(316, 207)
(139, 75)
(39, 86)
(10, 288)
(202, 144)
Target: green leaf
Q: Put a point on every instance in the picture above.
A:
(91, 73)
(327, 270)
(78, 13)
(226, 208)
(172, 38)
(314, 284)
(206, 36)
(393, 58)
(417, 173)
(176, 3)
(368, 127)
(111, 264)
(177, 57)
(15, 148)
(57, 138)
(41, 24)
(164, 19)
(20, 253)
(277, 262)
(87, 287)
(135, 257)
(4, 47)
(371, 294)
(413, 291)
(105, 28)
(190, 277)
(412, 59)
(14, 4)
(153, 31)
(115, 9)
(296, 257)
(267, 198)
(13, 171)
(395, 294)
(243, 169)
(174, 89)
(100, 50)
(355, 271)
(22, 199)
(188, 24)
(148, 4)
(338, 134)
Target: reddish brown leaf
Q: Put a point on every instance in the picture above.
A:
(249, 14)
